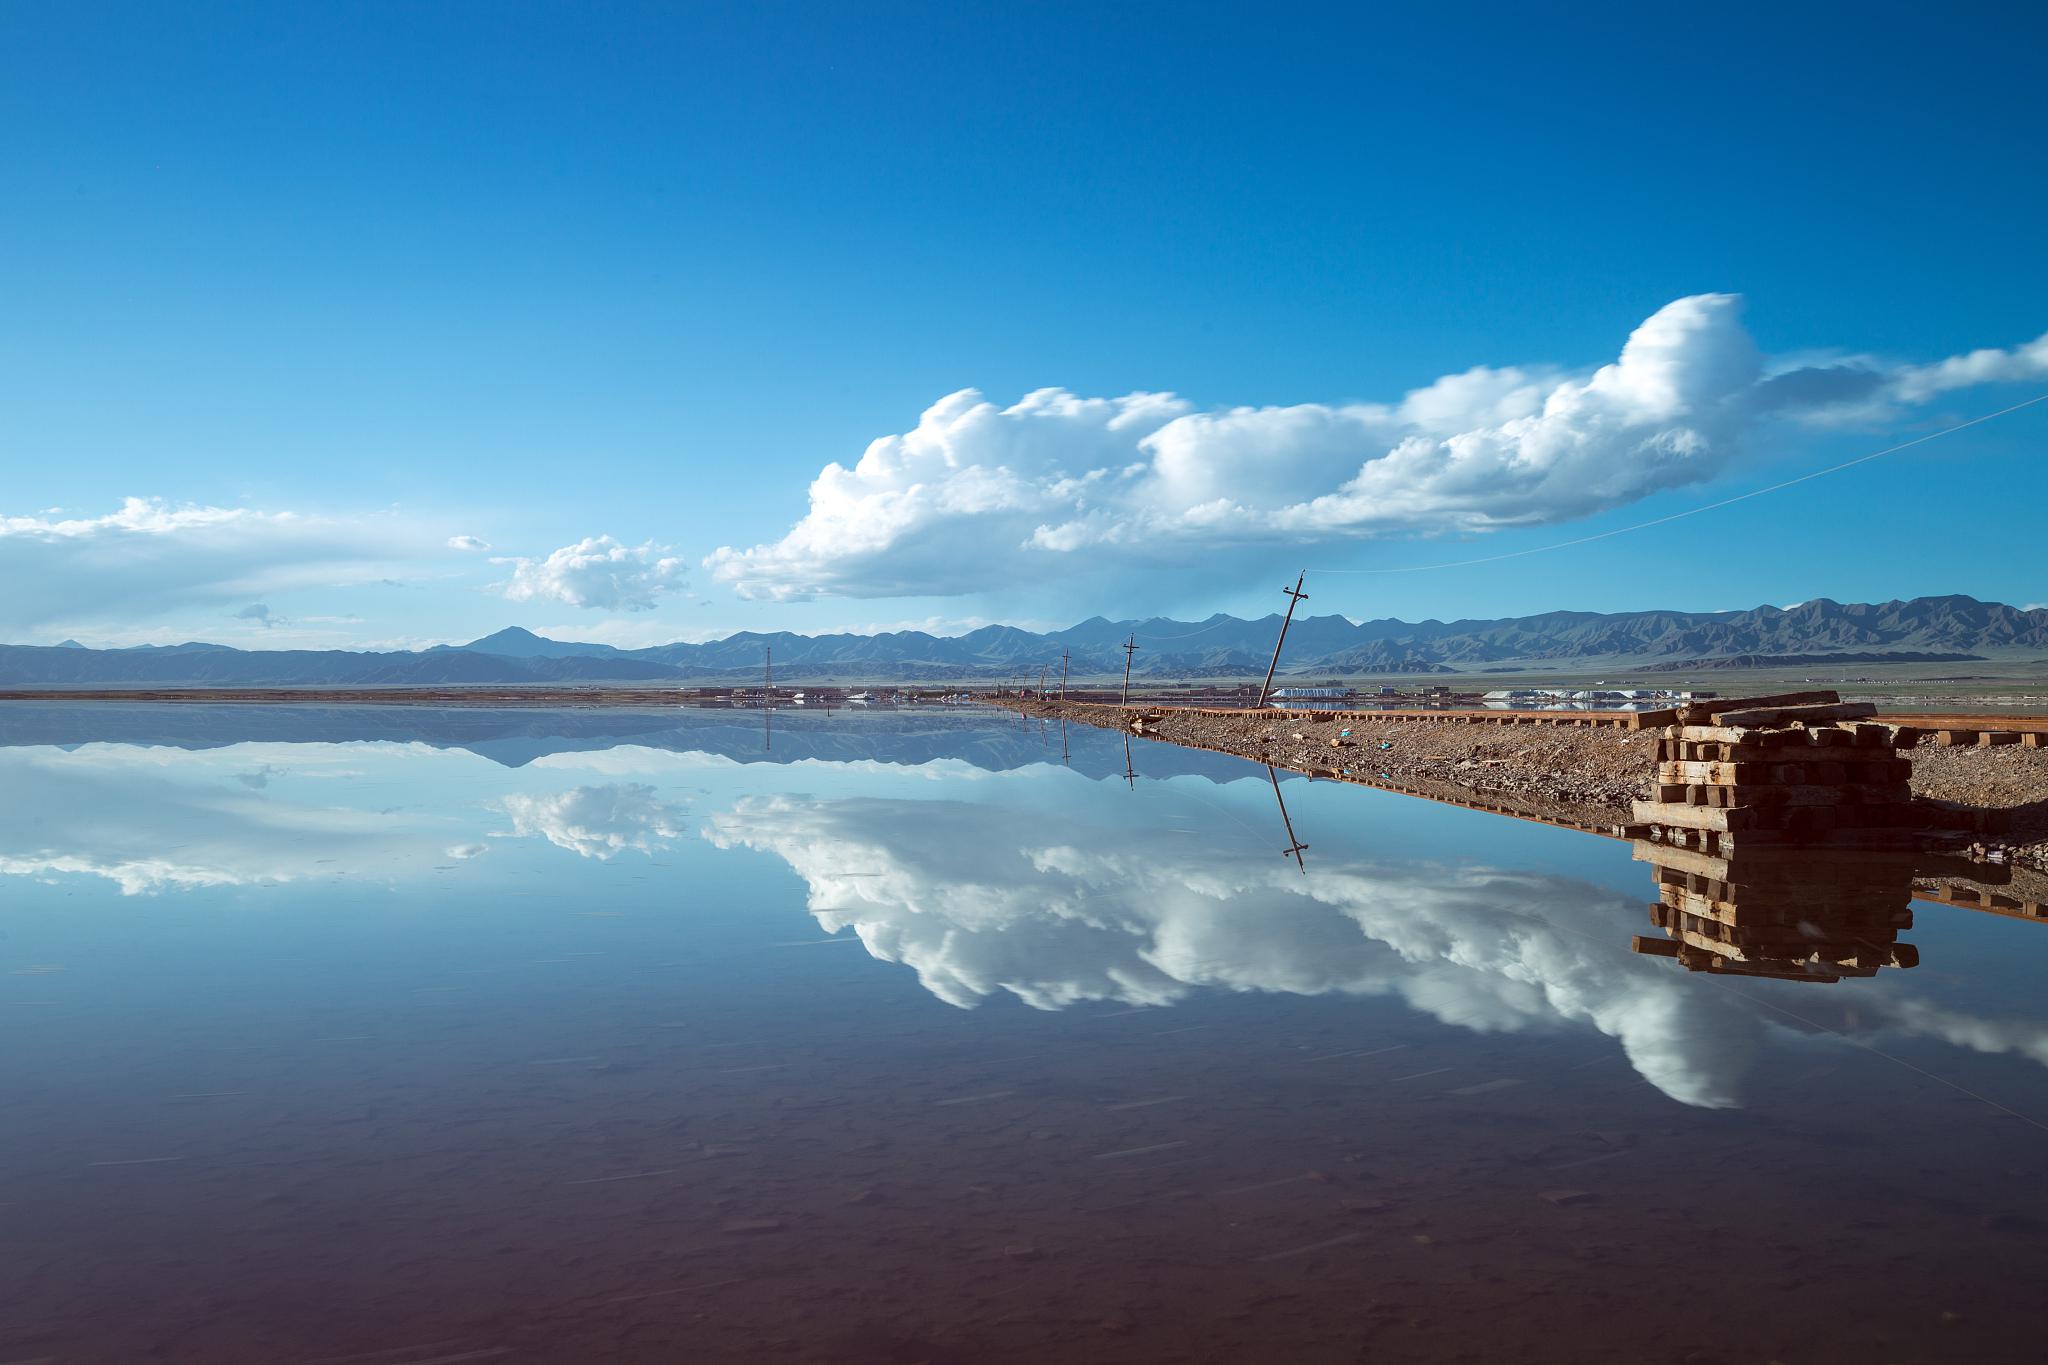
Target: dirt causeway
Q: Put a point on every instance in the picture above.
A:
(1584, 776)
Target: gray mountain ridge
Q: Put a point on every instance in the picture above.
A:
(1220, 646)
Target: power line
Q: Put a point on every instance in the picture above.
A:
(1189, 635)
(1709, 507)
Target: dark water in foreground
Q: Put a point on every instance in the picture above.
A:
(400, 1037)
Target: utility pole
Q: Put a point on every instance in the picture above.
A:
(1295, 847)
(768, 677)
(1065, 654)
(1130, 773)
(1041, 686)
(1130, 648)
(1294, 595)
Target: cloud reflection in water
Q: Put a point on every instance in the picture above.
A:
(1063, 908)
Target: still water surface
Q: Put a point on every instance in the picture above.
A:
(397, 1036)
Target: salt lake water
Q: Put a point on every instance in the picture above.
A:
(397, 1035)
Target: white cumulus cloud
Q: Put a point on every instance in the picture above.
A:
(599, 573)
(979, 495)
(468, 543)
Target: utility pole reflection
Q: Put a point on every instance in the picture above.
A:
(1295, 847)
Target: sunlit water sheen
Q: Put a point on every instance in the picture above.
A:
(414, 1036)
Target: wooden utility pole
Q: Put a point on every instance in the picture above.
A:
(1065, 654)
(768, 677)
(1295, 847)
(1130, 773)
(1294, 595)
(1041, 686)
(1130, 648)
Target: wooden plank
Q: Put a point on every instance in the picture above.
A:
(1665, 857)
(1797, 715)
(1818, 773)
(1693, 817)
(1767, 797)
(1688, 752)
(1874, 907)
(1790, 935)
(1696, 713)
(1734, 734)
(1874, 794)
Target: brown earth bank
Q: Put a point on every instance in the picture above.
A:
(1584, 776)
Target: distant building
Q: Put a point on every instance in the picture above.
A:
(1310, 693)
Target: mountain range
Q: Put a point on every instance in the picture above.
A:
(1924, 628)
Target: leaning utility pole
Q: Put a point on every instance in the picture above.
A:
(1294, 595)
(1065, 654)
(1129, 648)
(768, 677)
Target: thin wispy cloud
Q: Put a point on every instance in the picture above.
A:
(150, 556)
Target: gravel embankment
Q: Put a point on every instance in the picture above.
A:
(1586, 775)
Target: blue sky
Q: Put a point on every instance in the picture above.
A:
(606, 289)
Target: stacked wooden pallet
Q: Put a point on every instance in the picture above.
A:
(1798, 768)
(1808, 917)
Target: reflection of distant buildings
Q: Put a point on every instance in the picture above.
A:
(1587, 699)
(1790, 916)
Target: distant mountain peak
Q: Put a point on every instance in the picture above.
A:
(509, 635)
(69, 644)
(517, 642)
